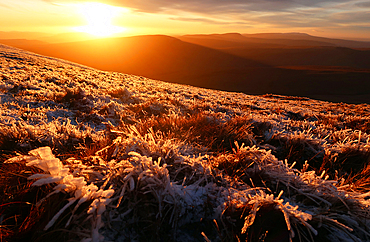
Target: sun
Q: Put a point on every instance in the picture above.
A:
(99, 19)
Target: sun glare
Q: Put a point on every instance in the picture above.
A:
(99, 18)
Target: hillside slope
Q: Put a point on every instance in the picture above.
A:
(328, 73)
(103, 156)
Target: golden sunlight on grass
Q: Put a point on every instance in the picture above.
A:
(99, 19)
(90, 155)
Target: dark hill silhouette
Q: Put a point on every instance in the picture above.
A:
(320, 67)
(303, 36)
(288, 49)
(236, 39)
(319, 56)
(278, 39)
(299, 71)
(145, 55)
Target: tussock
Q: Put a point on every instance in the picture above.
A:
(88, 155)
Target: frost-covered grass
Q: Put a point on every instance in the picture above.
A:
(87, 155)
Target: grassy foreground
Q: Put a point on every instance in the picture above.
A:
(87, 155)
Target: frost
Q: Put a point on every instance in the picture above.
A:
(44, 159)
(127, 150)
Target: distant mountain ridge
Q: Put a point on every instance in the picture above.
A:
(288, 49)
(304, 36)
(279, 40)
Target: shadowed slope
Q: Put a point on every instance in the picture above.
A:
(288, 49)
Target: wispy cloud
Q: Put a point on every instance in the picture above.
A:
(291, 10)
(3, 5)
(365, 4)
(313, 14)
(217, 6)
(210, 21)
(351, 17)
(213, 6)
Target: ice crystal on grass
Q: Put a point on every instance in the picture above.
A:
(77, 187)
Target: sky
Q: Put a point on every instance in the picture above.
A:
(328, 18)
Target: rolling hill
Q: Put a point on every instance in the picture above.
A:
(313, 67)
(288, 49)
